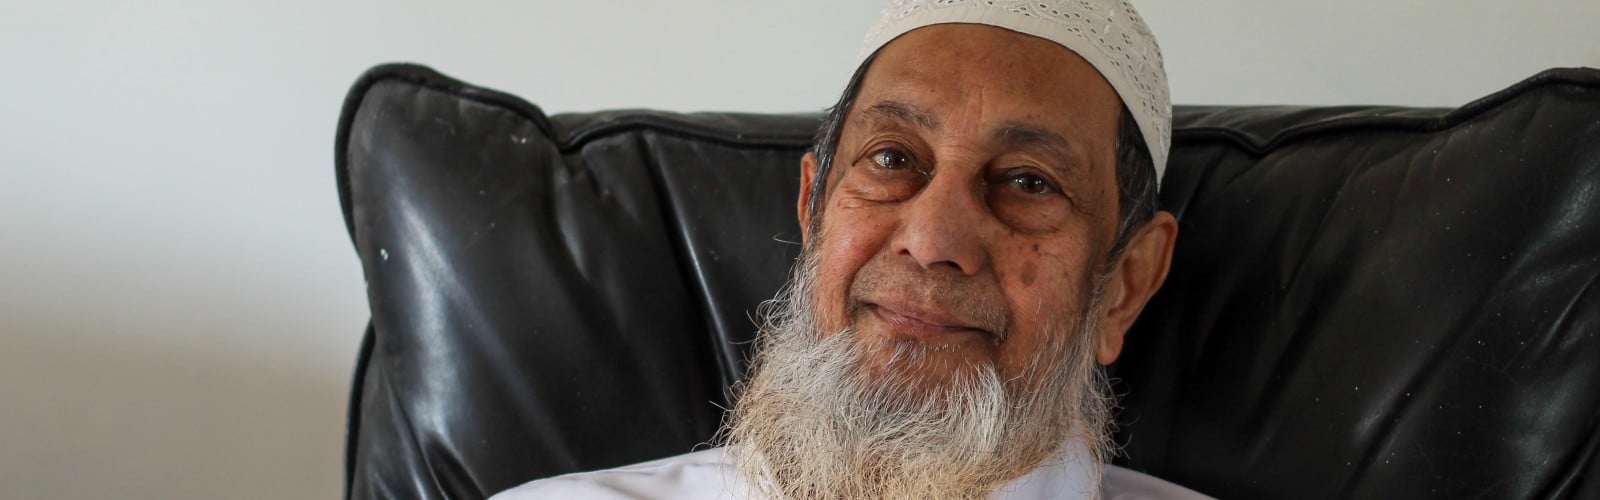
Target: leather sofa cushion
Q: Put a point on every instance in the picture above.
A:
(1379, 302)
(1365, 301)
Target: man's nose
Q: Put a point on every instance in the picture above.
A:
(943, 225)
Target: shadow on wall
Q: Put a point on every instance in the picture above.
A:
(97, 416)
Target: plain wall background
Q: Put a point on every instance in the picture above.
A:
(180, 306)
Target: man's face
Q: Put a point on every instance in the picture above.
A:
(971, 206)
(941, 332)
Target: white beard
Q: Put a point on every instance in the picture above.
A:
(809, 424)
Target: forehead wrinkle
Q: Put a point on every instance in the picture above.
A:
(1024, 135)
(890, 110)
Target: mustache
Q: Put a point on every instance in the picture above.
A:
(974, 300)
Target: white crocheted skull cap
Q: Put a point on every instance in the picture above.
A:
(1107, 33)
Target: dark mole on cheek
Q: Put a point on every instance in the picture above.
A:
(1030, 274)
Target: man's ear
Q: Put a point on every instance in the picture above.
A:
(808, 171)
(1136, 276)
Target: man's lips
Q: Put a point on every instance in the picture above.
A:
(922, 323)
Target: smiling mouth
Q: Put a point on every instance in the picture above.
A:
(920, 326)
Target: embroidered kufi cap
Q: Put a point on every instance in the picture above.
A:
(1107, 33)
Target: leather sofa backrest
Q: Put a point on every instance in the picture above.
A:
(1364, 301)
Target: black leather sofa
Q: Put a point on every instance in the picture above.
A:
(1365, 302)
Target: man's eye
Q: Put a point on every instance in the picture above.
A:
(1032, 184)
(891, 159)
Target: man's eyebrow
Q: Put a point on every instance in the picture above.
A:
(900, 111)
(1025, 135)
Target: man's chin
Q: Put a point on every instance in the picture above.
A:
(857, 415)
(919, 368)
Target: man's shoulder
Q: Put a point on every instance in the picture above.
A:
(701, 474)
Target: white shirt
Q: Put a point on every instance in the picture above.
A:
(710, 474)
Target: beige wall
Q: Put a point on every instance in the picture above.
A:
(180, 307)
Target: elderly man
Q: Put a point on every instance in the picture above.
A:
(980, 231)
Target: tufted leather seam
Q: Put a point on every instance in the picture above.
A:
(1577, 77)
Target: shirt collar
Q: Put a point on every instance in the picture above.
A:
(1071, 473)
